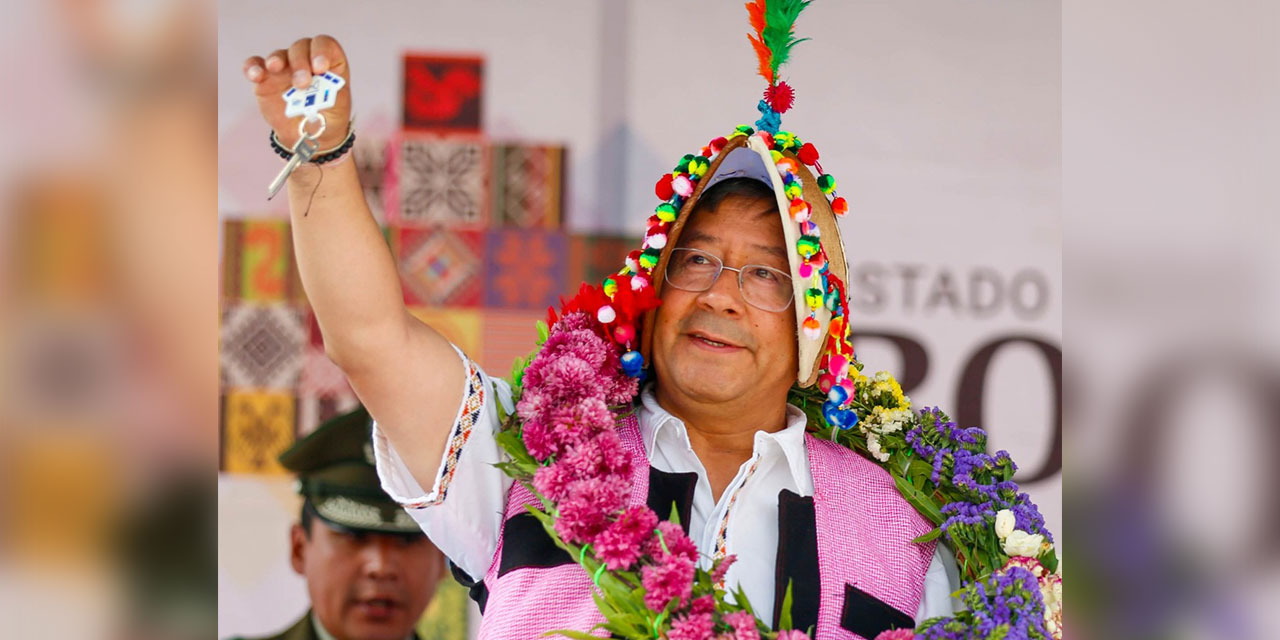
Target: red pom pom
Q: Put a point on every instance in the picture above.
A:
(839, 206)
(808, 153)
(780, 96)
(766, 138)
(663, 188)
(718, 144)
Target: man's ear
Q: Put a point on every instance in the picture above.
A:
(298, 541)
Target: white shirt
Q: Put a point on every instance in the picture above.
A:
(465, 513)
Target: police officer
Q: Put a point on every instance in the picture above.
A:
(370, 571)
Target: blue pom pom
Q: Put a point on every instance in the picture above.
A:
(832, 413)
(633, 364)
(851, 420)
(837, 395)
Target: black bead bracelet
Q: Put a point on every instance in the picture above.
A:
(320, 158)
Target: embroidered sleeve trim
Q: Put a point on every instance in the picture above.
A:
(468, 415)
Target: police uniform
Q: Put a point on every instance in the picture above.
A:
(339, 485)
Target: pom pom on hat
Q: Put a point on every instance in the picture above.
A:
(812, 330)
(656, 241)
(808, 153)
(663, 188)
(839, 206)
(666, 212)
(682, 185)
(826, 183)
(606, 314)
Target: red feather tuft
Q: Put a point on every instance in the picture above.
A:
(780, 96)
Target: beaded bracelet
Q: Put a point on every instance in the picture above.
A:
(322, 157)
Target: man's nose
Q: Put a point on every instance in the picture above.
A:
(724, 294)
(381, 557)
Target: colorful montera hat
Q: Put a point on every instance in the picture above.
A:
(808, 205)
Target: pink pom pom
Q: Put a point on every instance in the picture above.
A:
(825, 381)
(838, 365)
(639, 282)
(806, 270)
(682, 185)
(624, 333)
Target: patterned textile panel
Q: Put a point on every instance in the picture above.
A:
(441, 267)
(592, 257)
(525, 268)
(261, 346)
(431, 181)
(527, 185)
(443, 93)
(256, 427)
(258, 262)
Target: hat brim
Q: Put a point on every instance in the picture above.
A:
(353, 513)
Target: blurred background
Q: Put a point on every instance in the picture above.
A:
(995, 155)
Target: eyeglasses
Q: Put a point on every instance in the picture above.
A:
(761, 286)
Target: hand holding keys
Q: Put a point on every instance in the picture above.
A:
(305, 80)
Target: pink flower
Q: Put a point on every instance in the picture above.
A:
(620, 545)
(585, 512)
(705, 604)
(896, 634)
(744, 625)
(572, 424)
(674, 540)
(722, 567)
(671, 579)
(794, 634)
(601, 455)
(553, 481)
(537, 439)
(693, 626)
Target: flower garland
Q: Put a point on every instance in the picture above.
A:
(563, 447)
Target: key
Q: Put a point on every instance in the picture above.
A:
(303, 151)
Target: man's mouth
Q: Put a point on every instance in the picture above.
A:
(712, 341)
(377, 607)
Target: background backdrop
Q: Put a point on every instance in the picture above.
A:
(940, 120)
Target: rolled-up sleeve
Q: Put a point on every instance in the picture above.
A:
(463, 512)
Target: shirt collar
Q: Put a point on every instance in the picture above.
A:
(656, 421)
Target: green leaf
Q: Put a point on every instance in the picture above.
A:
(675, 513)
(932, 535)
(543, 332)
(784, 620)
(924, 504)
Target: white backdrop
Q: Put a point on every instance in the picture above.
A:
(940, 120)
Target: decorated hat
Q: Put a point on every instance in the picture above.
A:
(337, 477)
(808, 206)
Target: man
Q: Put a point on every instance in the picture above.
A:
(720, 439)
(370, 571)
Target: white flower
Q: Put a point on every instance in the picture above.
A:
(1004, 523)
(873, 446)
(1021, 543)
